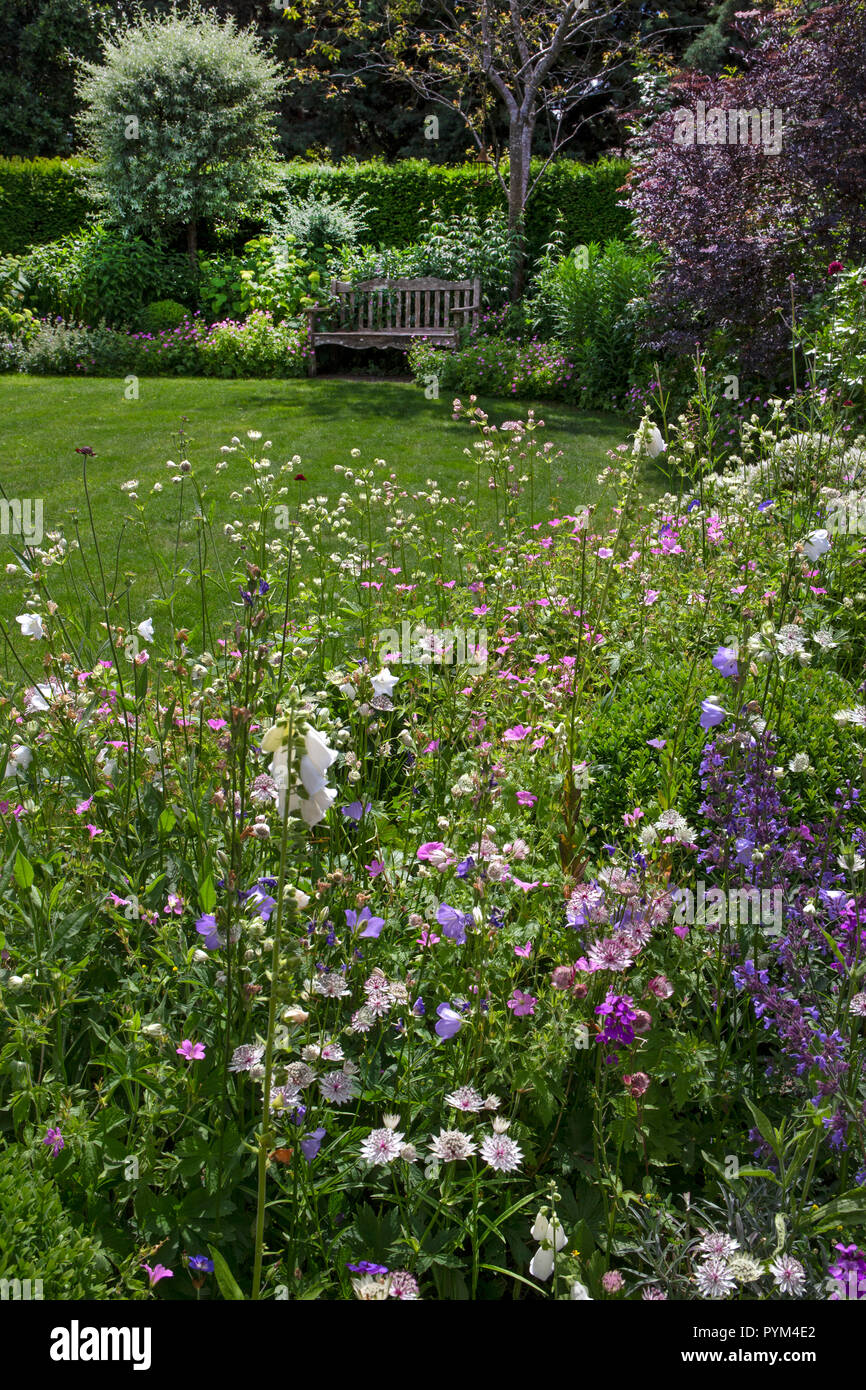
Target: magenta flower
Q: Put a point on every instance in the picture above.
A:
(54, 1140)
(526, 799)
(193, 1052)
(522, 1004)
(158, 1272)
(523, 950)
(516, 734)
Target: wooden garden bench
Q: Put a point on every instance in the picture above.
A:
(393, 313)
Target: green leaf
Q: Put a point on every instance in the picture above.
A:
(228, 1286)
(847, 1210)
(765, 1129)
(207, 894)
(24, 874)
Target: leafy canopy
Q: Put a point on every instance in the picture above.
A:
(179, 118)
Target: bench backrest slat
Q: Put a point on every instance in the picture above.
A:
(405, 305)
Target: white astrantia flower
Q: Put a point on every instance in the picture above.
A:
(31, 625)
(451, 1145)
(551, 1238)
(466, 1098)
(381, 1147)
(714, 1278)
(718, 1244)
(503, 1154)
(338, 1088)
(855, 716)
(145, 630)
(788, 1274)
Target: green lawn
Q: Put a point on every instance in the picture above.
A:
(44, 419)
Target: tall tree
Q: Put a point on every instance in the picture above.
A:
(523, 76)
(179, 118)
(40, 41)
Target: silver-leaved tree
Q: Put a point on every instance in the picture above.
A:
(179, 119)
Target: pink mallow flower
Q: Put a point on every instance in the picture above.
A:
(193, 1052)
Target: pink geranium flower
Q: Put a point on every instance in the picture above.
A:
(522, 1004)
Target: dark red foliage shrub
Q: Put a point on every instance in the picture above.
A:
(738, 218)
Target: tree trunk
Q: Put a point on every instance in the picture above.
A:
(519, 156)
(192, 243)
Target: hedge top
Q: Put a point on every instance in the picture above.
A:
(42, 200)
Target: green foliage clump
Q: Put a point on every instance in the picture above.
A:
(268, 275)
(592, 301)
(42, 1242)
(104, 274)
(161, 314)
(40, 200)
(455, 247)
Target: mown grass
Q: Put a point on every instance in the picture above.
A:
(44, 420)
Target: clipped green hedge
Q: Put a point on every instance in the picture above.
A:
(41, 200)
(399, 195)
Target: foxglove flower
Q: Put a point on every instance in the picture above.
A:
(551, 1239)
